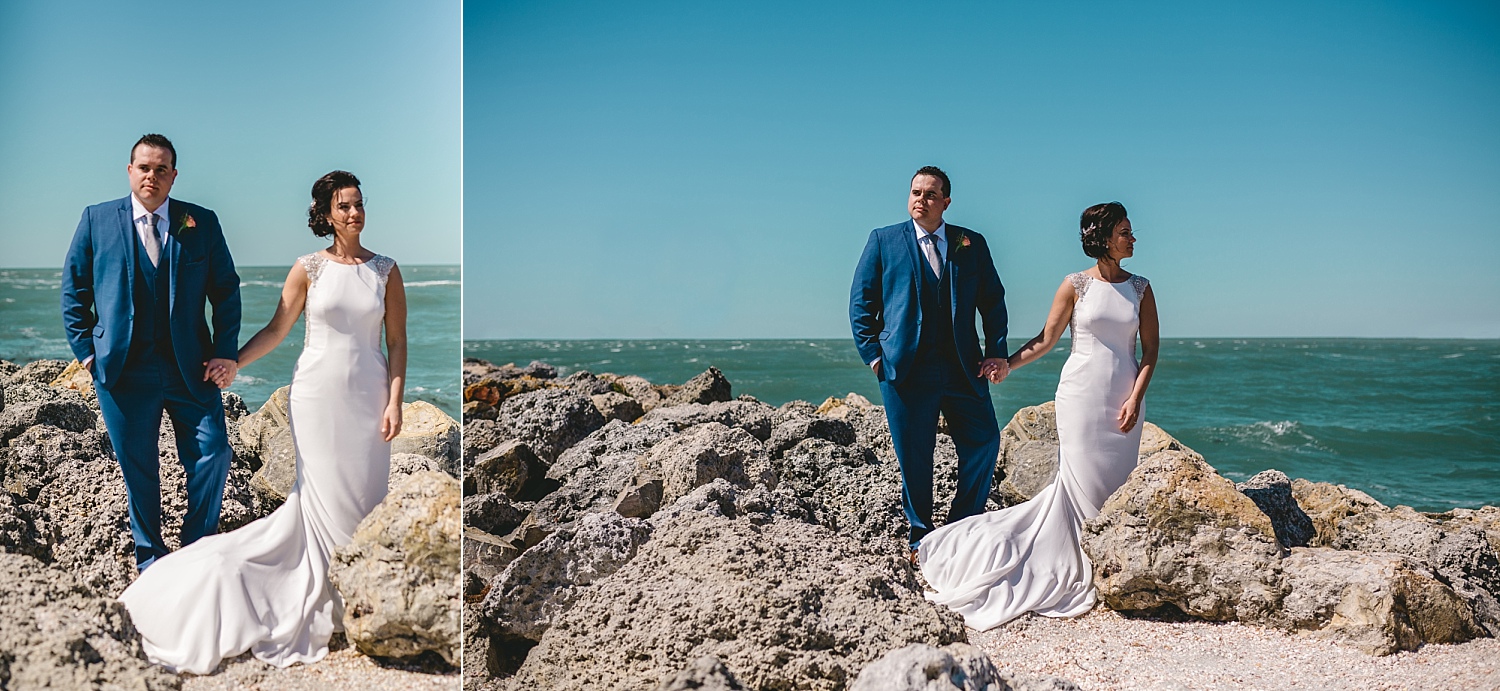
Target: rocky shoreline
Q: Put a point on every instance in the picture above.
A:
(625, 534)
(65, 541)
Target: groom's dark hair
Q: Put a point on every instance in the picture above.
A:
(157, 141)
(938, 173)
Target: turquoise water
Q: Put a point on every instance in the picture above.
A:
(31, 329)
(1410, 421)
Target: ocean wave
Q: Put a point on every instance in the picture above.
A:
(247, 379)
(424, 284)
(1278, 434)
(257, 283)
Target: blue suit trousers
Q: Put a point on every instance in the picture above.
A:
(911, 407)
(132, 406)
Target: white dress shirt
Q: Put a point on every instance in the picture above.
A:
(141, 216)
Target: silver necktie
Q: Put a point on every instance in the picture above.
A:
(931, 251)
(153, 243)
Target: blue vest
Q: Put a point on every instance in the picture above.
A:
(150, 330)
(935, 339)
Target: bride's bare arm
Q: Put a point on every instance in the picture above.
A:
(1150, 338)
(1057, 321)
(293, 297)
(395, 346)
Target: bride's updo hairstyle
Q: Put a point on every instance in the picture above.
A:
(322, 203)
(1097, 225)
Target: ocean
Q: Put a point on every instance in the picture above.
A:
(31, 329)
(1409, 421)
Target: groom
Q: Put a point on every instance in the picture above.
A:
(917, 289)
(137, 277)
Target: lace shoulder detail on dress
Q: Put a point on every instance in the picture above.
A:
(382, 266)
(1139, 283)
(1080, 283)
(313, 264)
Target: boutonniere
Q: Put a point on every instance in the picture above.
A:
(963, 241)
(188, 223)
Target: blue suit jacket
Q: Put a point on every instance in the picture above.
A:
(99, 274)
(885, 307)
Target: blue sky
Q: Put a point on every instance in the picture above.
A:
(260, 100)
(684, 169)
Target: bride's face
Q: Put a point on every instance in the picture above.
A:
(346, 213)
(1122, 242)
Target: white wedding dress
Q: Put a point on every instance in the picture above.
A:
(264, 587)
(996, 566)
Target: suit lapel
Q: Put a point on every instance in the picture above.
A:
(914, 254)
(127, 234)
(173, 246)
(951, 267)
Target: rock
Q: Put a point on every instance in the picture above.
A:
(1327, 506)
(921, 667)
(18, 529)
(75, 377)
(857, 492)
(702, 454)
(485, 555)
(1486, 518)
(641, 390)
(549, 420)
(592, 475)
(708, 387)
(586, 383)
(617, 406)
(480, 436)
(1461, 554)
(1028, 454)
(727, 574)
(1378, 602)
(257, 430)
(31, 460)
(478, 410)
(706, 673)
(428, 431)
(790, 432)
(511, 468)
(38, 372)
(1271, 490)
(840, 408)
(278, 469)
(544, 581)
(493, 513)
(1178, 534)
(399, 577)
(753, 417)
(61, 634)
(85, 507)
(70, 415)
(404, 464)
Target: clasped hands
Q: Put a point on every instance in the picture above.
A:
(995, 369)
(220, 371)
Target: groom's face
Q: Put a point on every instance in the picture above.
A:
(927, 201)
(152, 171)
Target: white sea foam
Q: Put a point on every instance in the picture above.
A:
(424, 284)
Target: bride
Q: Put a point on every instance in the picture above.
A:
(996, 566)
(265, 587)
